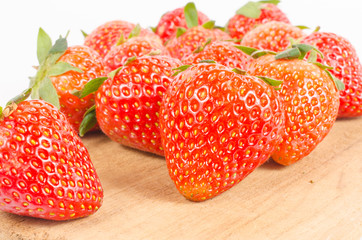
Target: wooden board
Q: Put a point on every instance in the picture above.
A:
(319, 197)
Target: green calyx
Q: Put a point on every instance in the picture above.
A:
(253, 52)
(180, 69)
(253, 9)
(209, 25)
(272, 82)
(191, 16)
(180, 31)
(89, 121)
(90, 87)
(201, 48)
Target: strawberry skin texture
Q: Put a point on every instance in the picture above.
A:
(45, 170)
(170, 21)
(217, 127)
(222, 52)
(91, 64)
(273, 36)
(341, 55)
(311, 103)
(182, 46)
(107, 35)
(136, 46)
(127, 106)
(239, 25)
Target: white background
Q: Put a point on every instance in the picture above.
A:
(21, 19)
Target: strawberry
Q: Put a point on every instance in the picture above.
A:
(135, 46)
(217, 126)
(107, 35)
(253, 14)
(223, 52)
(273, 36)
(127, 104)
(310, 97)
(45, 170)
(170, 21)
(63, 70)
(341, 55)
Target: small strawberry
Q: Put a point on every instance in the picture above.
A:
(107, 35)
(127, 104)
(310, 97)
(217, 126)
(223, 52)
(170, 21)
(135, 46)
(341, 55)
(45, 170)
(253, 14)
(63, 70)
(273, 36)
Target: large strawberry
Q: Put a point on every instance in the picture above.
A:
(127, 104)
(273, 36)
(253, 14)
(310, 97)
(341, 55)
(108, 34)
(45, 170)
(63, 70)
(170, 21)
(223, 52)
(217, 126)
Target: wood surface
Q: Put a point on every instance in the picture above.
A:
(319, 197)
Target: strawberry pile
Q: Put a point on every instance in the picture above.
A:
(215, 102)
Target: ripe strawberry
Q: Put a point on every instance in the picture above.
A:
(170, 21)
(135, 46)
(107, 35)
(253, 14)
(127, 104)
(62, 71)
(45, 170)
(341, 55)
(217, 126)
(273, 36)
(311, 102)
(223, 52)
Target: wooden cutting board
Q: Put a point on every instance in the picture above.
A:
(319, 197)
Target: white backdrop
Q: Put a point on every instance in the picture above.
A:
(21, 19)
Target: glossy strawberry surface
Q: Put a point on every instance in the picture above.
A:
(170, 21)
(217, 126)
(127, 105)
(340, 54)
(91, 65)
(273, 36)
(311, 103)
(223, 52)
(239, 25)
(45, 170)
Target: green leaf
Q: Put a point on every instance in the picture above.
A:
(180, 69)
(191, 17)
(339, 84)
(322, 66)
(305, 48)
(201, 48)
(84, 34)
(180, 31)
(260, 53)
(209, 25)
(272, 82)
(129, 60)
(153, 29)
(275, 2)
(250, 10)
(59, 46)
(21, 97)
(246, 50)
(121, 40)
(62, 67)
(312, 58)
(291, 53)
(48, 93)
(1, 112)
(135, 31)
(114, 72)
(302, 27)
(239, 71)
(207, 61)
(88, 122)
(90, 87)
(44, 44)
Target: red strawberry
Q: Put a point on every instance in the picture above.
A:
(223, 52)
(253, 14)
(217, 126)
(63, 70)
(127, 104)
(107, 35)
(341, 55)
(273, 36)
(135, 46)
(170, 21)
(310, 98)
(45, 170)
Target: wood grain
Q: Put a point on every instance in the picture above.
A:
(319, 197)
